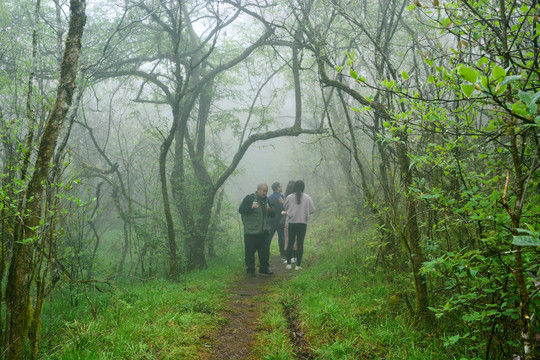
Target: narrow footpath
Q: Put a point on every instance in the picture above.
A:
(238, 336)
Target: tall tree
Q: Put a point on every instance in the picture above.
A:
(22, 265)
(189, 61)
(494, 78)
(358, 88)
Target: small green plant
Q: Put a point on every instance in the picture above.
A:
(144, 320)
(345, 309)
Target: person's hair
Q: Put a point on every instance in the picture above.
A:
(275, 186)
(290, 188)
(261, 185)
(299, 187)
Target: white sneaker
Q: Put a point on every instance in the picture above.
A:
(297, 268)
(293, 260)
(289, 267)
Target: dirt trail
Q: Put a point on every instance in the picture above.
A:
(236, 339)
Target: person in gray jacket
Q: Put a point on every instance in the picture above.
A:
(255, 211)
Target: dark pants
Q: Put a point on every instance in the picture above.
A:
(256, 243)
(279, 228)
(298, 231)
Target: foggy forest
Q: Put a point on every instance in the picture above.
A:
(131, 131)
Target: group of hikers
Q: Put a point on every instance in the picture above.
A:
(263, 216)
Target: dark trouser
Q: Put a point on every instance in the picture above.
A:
(256, 243)
(298, 231)
(279, 228)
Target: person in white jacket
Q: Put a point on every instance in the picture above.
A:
(299, 207)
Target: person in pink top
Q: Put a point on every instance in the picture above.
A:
(288, 191)
(299, 207)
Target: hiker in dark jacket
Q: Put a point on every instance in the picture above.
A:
(255, 211)
(277, 223)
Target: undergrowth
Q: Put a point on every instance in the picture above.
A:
(341, 305)
(156, 319)
(347, 308)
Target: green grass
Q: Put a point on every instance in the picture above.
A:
(157, 319)
(344, 307)
(273, 343)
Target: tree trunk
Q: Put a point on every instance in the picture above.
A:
(18, 312)
(525, 325)
(171, 236)
(126, 220)
(412, 233)
(214, 227)
(196, 240)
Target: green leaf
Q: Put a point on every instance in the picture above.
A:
(404, 75)
(483, 61)
(484, 82)
(531, 109)
(468, 74)
(452, 340)
(535, 97)
(525, 97)
(519, 109)
(467, 89)
(500, 89)
(498, 73)
(429, 196)
(526, 240)
(411, 7)
(529, 230)
(354, 74)
(510, 79)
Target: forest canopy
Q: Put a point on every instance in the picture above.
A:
(123, 124)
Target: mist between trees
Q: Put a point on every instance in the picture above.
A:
(124, 125)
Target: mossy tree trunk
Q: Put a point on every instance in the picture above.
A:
(19, 315)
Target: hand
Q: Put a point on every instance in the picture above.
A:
(254, 205)
(281, 200)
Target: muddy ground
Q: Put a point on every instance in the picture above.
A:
(238, 336)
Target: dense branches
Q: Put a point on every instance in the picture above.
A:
(430, 110)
